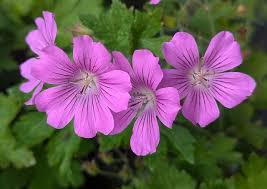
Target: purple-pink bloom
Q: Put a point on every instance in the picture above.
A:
(147, 101)
(85, 90)
(202, 81)
(154, 2)
(38, 39)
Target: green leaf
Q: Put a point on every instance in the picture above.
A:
(212, 152)
(74, 8)
(31, 129)
(167, 176)
(182, 141)
(9, 109)
(22, 157)
(13, 178)
(218, 184)
(108, 143)
(254, 174)
(154, 44)
(113, 27)
(61, 151)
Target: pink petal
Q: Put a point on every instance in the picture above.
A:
(145, 137)
(50, 27)
(146, 68)
(223, 53)
(181, 52)
(114, 88)
(93, 115)
(231, 88)
(25, 68)
(44, 35)
(200, 108)
(168, 105)
(120, 62)
(53, 67)
(28, 86)
(81, 48)
(36, 41)
(59, 103)
(154, 2)
(83, 125)
(35, 93)
(122, 120)
(177, 79)
(25, 71)
(91, 56)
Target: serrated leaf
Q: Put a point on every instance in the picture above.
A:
(9, 109)
(210, 152)
(254, 174)
(31, 129)
(182, 141)
(108, 143)
(22, 157)
(167, 176)
(61, 151)
(218, 184)
(113, 27)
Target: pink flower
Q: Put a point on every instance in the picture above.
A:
(201, 81)
(37, 40)
(85, 90)
(147, 101)
(154, 2)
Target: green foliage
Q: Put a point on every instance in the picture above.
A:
(126, 29)
(182, 141)
(254, 174)
(228, 154)
(166, 176)
(112, 27)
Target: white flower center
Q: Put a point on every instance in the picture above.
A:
(85, 81)
(142, 99)
(200, 76)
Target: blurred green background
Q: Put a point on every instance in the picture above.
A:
(228, 154)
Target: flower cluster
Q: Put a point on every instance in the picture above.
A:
(103, 92)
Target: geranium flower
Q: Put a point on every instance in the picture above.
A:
(154, 2)
(147, 101)
(38, 39)
(85, 90)
(201, 81)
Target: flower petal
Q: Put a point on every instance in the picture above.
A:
(200, 107)
(53, 67)
(154, 2)
(25, 68)
(28, 86)
(231, 88)
(35, 93)
(146, 68)
(92, 116)
(36, 41)
(91, 56)
(120, 62)
(49, 29)
(168, 105)
(83, 125)
(177, 79)
(181, 52)
(44, 35)
(25, 71)
(59, 103)
(122, 120)
(114, 88)
(223, 53)
(145, 137)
